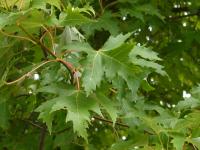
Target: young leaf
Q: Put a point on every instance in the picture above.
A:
(93, 73)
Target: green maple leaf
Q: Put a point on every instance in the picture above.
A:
(93, 73)
(45, 113)
(78, 107)
(145, 57)
(105, 22)
(112, 60)
(73, 16)
(115, 42)
(178, 142)
(41, 4)
(116, 59)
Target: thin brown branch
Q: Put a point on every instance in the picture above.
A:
(50, 35)
(101, 6)
(46, 49)
(111, 4)
(42, 138)
(28, 74)
(37, 41)
(44, 128)
(41, 40)
(184, 16)
(68, 65)
(111, 122)
(61, 131)
(118, 123)
(33, 124)
(29, 35)
(16, 36)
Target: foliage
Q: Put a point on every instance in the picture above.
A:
(93, 75)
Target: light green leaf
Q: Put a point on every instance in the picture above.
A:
(145, 57)
(45, 113)
(41, 4)
(115, 42)
(79, 47)
(108, 105)
(188, 103)
(178, 142)
(55, 3)
(104, 22)
(73, 17)
(113, 60)
(93, 74)
(77, 106)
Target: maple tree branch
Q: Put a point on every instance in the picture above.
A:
(68, 65)
(184, 16)
(16, 36)
(50, 35)
(111, 122)
(32, 123)
(29, 35)
(41, 40)
(101, 6)
(28, 73)
(118, 123)
(111, 4)
(42, 138)
(44, 128)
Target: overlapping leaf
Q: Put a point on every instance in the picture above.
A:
(78, 107)
(145, 57)
(116, 58)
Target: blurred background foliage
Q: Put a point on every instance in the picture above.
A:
(162, 114)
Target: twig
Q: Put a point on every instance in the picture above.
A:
(184, 16)
(50, 35)
(33, 124)
(66, 64)
(37, 41)
(111, 122)
(41, 40)
(28, 73)
(69, 67)
(44, 128)
(42, 138)
(29, 35)
(111, 4)
(15, 36)
(101, 6)
(61, 131)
